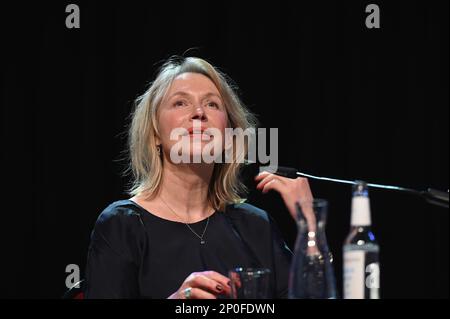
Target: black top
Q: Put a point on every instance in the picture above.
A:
(135, 254)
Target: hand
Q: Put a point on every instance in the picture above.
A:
(203, 285)
(291, 190)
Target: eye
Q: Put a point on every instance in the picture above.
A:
(179, 103)
(213, 105)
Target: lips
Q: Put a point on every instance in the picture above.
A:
(198, 130)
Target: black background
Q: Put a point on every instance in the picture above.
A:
(349, 102)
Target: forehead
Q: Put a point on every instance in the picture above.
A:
(193, 83)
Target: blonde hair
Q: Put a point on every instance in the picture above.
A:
(146, 164)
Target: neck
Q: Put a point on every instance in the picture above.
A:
(184, 188)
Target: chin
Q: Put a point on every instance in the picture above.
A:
(197, 153)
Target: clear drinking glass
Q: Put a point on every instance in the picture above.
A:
(312, 275)
(249, 283)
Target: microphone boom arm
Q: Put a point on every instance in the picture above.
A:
(432, 196)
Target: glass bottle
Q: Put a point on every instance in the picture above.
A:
(312, 274)
(361, 251)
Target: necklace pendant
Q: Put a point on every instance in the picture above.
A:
(202, 241)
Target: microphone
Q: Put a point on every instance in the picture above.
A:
(432, 196)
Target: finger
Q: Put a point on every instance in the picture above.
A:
(207, 284)
(235, 280)
(220, 279)
(273, 184)
(267, 179)
(261, 175)
(197, 293)
(305, 189)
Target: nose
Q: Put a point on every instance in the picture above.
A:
(199, 114)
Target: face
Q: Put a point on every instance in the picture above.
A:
(194, 114)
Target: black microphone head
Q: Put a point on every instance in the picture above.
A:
(289, 172)
(280, 170)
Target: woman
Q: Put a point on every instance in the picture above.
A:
(185, 225)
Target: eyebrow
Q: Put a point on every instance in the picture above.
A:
(187, 94)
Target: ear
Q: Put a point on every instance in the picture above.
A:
(157, 140)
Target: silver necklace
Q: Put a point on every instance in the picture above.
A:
(202, 241)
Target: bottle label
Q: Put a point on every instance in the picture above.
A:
(361, 274)
(360, 211)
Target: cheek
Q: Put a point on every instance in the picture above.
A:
(167, 123)
(221, 121)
